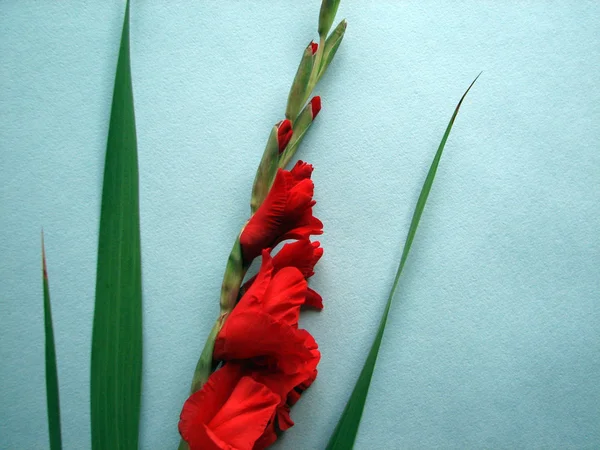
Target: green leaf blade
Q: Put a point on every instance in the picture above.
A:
(52, 396)
(346, 430)
(116, 370)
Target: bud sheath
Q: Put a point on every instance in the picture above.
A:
(298, 91)
(267, 168)
(301, 125)
(331, 45)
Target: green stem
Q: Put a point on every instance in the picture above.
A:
(232, 281)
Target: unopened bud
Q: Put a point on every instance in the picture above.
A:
(300, 127)
(327, 15)
(284, 134)
(265, 174)
(298, 93)
(331, 45)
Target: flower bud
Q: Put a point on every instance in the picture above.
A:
(298, 91)
(331, 45)
(300, 127)
(284, 134)
(326, 16)
(267, 168)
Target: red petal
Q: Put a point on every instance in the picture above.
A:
(244, 418)
(301, 254)
(314, 47)
(284, 134)
(259, 283)
(262, 229)
(285, 295)
(286, 213)
(203, 405)
(230, 412)
(304, 230)
(268, 437)
(248, 335)
(301, 170)
(313, 299)
(283, 418)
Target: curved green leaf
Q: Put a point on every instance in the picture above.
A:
(117, 335)
(347, 428)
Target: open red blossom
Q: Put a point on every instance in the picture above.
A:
(301, 254)
(231, 412)
(284, 134)
(264, 324)
(286, 213)
(262, 332)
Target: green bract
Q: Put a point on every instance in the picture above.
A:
(265, 174)
(300, 86)
(327, 15)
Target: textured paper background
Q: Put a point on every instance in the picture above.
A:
(494, 338)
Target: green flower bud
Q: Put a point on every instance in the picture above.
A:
(265, 174)
(300, 127)
(298, 91)
(331, 45)
(326, 16)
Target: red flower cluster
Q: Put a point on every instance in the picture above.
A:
(268, 360)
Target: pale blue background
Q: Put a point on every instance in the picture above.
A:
(494, 340)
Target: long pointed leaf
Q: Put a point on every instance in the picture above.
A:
(117, 335)
(347, 428)
(52, 397)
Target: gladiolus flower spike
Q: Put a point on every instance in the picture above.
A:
(265, 360)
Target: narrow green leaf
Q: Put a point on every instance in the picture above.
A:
(51, 372)
(345, 432)
(116, 372)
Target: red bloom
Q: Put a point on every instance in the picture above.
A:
(263, 327)
(284, 134)
(286, 213)
(231, 412)
(263, 331)
(314, 47)
(315, 106)
(303, 255)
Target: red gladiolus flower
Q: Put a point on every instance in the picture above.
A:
(315, 106)
(314, 47)
(286, 213)
(264, 324)
(231, 412)
(301, 254)
(284, 134)
(263, 332)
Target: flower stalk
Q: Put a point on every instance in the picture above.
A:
(282, 144)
